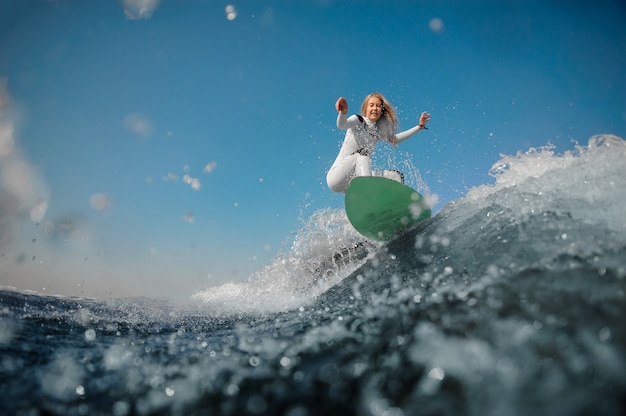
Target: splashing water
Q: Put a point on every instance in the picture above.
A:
(511, 297)
(587, 182)
(324, 251)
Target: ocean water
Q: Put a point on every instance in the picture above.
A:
(510, 301)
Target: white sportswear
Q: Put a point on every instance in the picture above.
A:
(354, 156)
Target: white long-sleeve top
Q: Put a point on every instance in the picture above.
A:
(362, 134)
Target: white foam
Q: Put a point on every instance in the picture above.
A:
(589, 182)
(303, 270)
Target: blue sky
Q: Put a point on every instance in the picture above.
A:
(120, 108)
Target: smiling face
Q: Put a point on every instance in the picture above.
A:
(374, 109)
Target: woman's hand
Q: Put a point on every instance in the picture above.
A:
(424, 118)
(342, 105)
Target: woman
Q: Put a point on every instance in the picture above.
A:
(376, 123)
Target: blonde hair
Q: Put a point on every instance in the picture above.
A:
(388, 110)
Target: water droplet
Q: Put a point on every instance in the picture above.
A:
(604, 334)
(436, 373)
(90, 335)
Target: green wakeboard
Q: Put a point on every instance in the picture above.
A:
(381, 208)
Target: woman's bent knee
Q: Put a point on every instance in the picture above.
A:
(336, 184)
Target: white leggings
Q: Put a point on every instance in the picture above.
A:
(344, 169)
